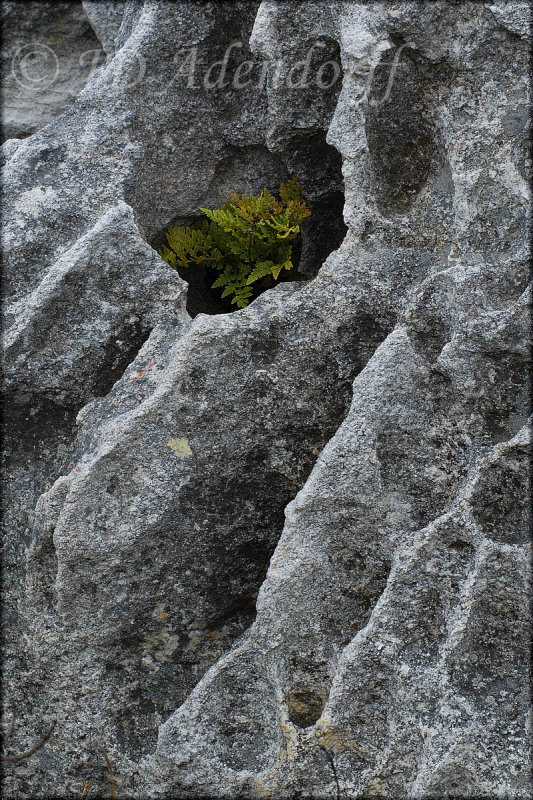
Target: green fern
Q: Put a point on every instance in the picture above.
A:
(248, 239)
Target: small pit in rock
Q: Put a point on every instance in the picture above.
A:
(399, 129)
(305, 707)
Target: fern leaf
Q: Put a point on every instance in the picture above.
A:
(248, 238)
(290, 190)
(220, 281)
(278, 267)
(168, 256)
(242, 297)
(261, 270)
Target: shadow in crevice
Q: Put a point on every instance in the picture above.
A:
(118, 354)
(362, 577)
(319, 166)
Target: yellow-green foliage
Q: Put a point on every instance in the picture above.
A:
(246, 239)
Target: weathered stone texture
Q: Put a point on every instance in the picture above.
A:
(281, 552)
(48, 52)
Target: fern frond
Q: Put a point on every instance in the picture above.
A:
(261, 270)
(247, 239)
(220, 281)
(290, 190)
(242, 296)
(278, 267)
(168, 255)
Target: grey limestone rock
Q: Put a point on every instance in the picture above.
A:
(106, 20)
(280, 552)
(49, 49)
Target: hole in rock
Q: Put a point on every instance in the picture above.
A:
(248, 171)
(49, 50)
(305, 707)
(462, 548)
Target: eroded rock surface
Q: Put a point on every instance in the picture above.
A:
(49, 51)
(281, 552)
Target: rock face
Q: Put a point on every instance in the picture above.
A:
(49, 51)
(280, 552)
